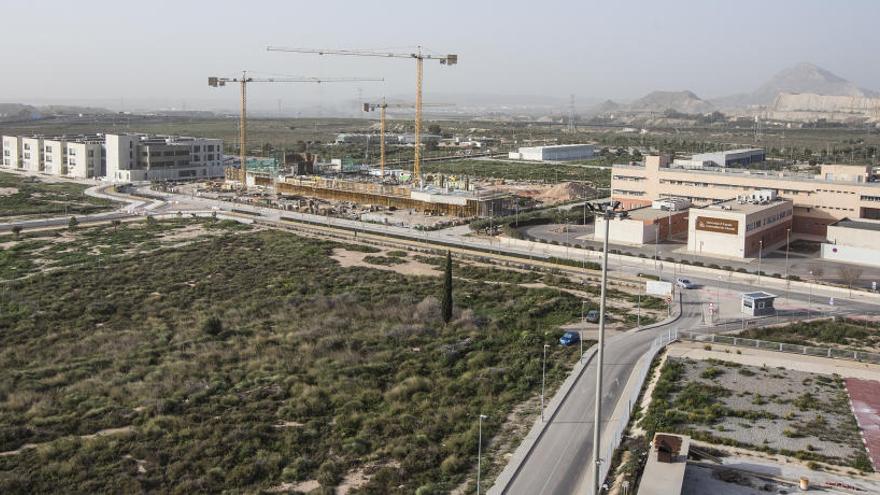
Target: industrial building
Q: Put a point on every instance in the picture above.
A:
(722, 159)
(119, 157)
(851, 241)
(745, 227)
(559, 152)
(659, 222)
(837, 192)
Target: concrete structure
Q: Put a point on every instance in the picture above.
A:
(723, 159)
(758, 303)
(837, 192)
(429, 200)
(85, 158)
(644, 226)
(739, 228)
(11, 152)
(560, 152)
(666, 464)
(852, 241)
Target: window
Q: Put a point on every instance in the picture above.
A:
(196, 149)
(91, 153)
(27, 146)
(71, 152)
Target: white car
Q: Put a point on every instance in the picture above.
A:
(684, 283)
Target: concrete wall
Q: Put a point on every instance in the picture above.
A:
(83, 160)
(851, 254)
(746, 242)
(626, 231)
(121, 156)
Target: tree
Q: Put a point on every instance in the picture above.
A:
(434, 129)
(446, 303)
(850, 275)
(116, 224)
(16, 231)
(72, 223)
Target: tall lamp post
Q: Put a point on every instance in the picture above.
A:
(787, 246)
(606, 210)
(480, 451)
(543, 378)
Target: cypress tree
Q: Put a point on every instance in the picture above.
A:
(446, 306)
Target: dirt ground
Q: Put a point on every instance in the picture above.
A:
(410, 266)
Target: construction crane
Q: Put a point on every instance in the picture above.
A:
(370, 107)
(216, 82)
(419, 57)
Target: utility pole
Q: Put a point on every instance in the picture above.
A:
(607, 212)
(480, 451)
(543, 378)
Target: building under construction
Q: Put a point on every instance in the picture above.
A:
(435, 200)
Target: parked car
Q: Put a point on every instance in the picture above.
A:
(569, 338)
(685, 283)
(593, 316)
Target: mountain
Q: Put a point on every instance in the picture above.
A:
(679, 101)
(803, 78)
(606, 107)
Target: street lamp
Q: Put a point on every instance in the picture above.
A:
(543, 378)
(480, 451)
(606, 210)
(760, 256)
(810, 300)
(787, 246)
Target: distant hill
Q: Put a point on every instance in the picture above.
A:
(17, 112)
(803, 78)
(679, 101)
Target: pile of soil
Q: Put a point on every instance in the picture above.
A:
(567, 191)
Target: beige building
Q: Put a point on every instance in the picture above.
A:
(646, 225)
(739, 228)
(837, 192)
(851, 241)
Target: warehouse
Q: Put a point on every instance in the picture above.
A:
(560, 152)
(745, 227)
(729, 158)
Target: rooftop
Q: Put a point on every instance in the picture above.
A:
(758, 295)
(550, 146)
(857, 224)
(743, 206)
(747, 173)
(648, 213)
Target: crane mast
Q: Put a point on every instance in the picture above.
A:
(450, 59)
(215, 82)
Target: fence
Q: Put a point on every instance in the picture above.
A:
(827, 352)
(613, 434)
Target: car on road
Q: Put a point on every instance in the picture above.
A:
(593, 316)
(569, 338)
(684, 283)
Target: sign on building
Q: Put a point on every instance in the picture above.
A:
(658, 288)
(720, 225)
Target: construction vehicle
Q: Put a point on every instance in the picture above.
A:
(216, 82)
(418, 55)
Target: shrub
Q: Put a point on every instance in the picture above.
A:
(212, 326)
(329, 473)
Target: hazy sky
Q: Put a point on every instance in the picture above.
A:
(110, 51)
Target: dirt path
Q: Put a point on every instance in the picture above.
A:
(99, 433)
(347, 259)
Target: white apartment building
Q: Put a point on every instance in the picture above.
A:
(11, 152)
(119, 157)
(32, 154)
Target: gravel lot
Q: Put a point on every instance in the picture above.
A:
(774, 409)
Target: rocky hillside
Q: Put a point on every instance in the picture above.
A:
(679, 101)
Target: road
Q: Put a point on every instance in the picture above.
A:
(559, 462)
(560, 459)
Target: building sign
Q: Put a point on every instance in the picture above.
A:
(720, 225)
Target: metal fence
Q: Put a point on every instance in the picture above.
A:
(828, 352)
(631, 396)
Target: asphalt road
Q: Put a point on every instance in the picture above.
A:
(560, 459)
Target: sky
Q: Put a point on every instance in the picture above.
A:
(160, 53)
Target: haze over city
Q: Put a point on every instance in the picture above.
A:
(448, 248)
(159, 54)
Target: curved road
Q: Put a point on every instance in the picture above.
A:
(560, 460)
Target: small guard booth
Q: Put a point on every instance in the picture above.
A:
(758, 303)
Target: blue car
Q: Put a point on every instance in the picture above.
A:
(569, 338)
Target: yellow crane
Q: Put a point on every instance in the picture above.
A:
(370, 107)
(216, 82)
(419, 57)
